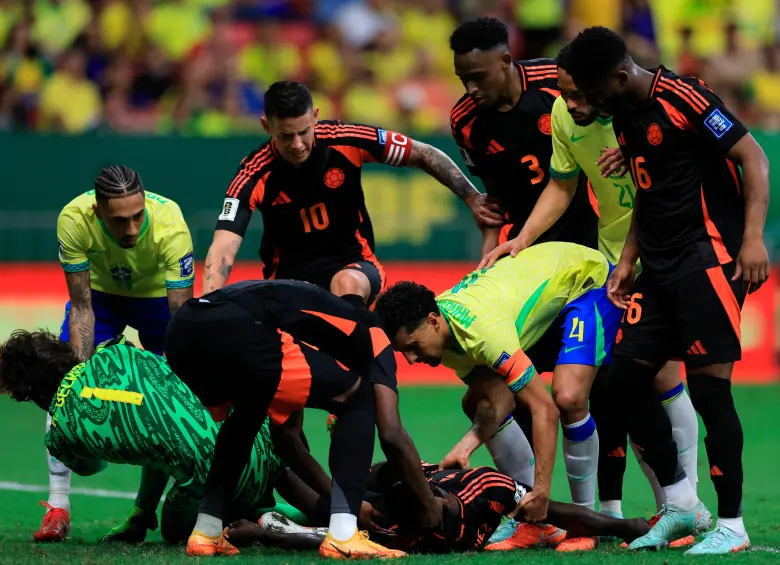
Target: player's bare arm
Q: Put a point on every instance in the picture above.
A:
(401, 451)
(490, 237)
(552, 203)
(622, 278)
(82, 318)
(290, 447)
(753, 260)
(177, 297)
(494, 403)
(220, 259)
(545, 416)
(437, 164)
(612, 162)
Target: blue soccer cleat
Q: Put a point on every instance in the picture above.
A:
(674, 524)
(719, 541)
(504, 531)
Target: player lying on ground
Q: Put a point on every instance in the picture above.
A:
(241, 346)
(584, 142)
(545, 309)
(127, 257)
(125, 405)
(306, 183)
(698, 229)
(473, 501)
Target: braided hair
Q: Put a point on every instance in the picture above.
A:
(117, 181)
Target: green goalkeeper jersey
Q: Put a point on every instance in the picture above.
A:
(125, 405)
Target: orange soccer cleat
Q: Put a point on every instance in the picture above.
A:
(201, 545)
(356, 547)
(527, 536)
(55, 525)
(578, 544)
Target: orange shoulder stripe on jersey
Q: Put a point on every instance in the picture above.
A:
(249, 168)
(342, 125)
(354, 154)
(295, 383)
(463, 111)
(531, 69)
(692, 91)
(712, 230)
(655, 81)
(668, 85)
(330, 133)
(734, 174)
(552, 91)
(544, 77)
(486, 478)
(727, 298)
(245, 178)
(679, 119)
(379, 340)
(467, 475)
(459, 106)
(485, 486)
(258, 193)
(535, 73)
(347, 135)
(342, 324)
(523, 75)
(466, 133)
(338, 129)
(688, 92)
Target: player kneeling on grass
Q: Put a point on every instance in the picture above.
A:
(473, 504)
(545, 309)
(124, 405)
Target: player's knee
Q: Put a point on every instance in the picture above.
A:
(350, 281)
(668, 377)
(571, 400)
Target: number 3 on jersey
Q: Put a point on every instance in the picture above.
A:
(318, 215)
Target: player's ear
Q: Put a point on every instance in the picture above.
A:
(506, 59)
(316, 115)
(96, 208)
(622, 77)
(433, 320)
(265, 124)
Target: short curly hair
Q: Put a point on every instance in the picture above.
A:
(32, 365)
(593, 55)
(405, 305)
(481, 34)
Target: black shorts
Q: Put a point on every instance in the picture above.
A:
(696, 319)
(371, 269)
(227, 357)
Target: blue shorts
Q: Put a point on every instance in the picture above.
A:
(150, 316)
(583, 334)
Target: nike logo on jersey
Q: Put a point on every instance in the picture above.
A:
(567, 349)
(576, 139)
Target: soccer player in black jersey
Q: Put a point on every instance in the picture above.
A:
(702, 195)
(273, 347)
(306, 183)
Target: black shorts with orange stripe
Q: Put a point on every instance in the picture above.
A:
(695, 319)
(481, 497)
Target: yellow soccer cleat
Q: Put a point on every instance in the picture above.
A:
(201, 545)
(356, 547)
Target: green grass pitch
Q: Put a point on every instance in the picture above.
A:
(432, 416)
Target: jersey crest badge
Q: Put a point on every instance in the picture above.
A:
(229, 209)
(123, 276)
(334, 178)
(717, 123)
(654, 134)
(545, 124)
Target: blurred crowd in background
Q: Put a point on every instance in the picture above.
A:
(200, 67)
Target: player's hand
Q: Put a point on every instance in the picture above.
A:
(455, 460)
(366, 519)
(511, 247)
(487, 211)
(611, 162)
(533, 506)
(752, 263)
(620, 283)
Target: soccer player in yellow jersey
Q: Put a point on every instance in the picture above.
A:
(544, 310)
(583, 139)
(127, 257)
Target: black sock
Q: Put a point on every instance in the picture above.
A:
(712, 399)
(633, 396)
(613, 440)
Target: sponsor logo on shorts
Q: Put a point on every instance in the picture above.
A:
(229, 209)
(503, 358)
(186, 265)
(718, 124)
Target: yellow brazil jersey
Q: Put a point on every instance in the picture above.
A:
(576, 147)
(161, 259)
(496, 314)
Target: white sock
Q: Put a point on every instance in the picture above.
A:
(658, 492)
(611, 507)
(511, 452)
(208, 525)
(581, 456)
(59, 478)
(681, 495)
(342, 526)
(736, 525)
(685, 429)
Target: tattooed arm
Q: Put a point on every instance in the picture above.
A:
(81, 325)
(177, 297)
(220, 259)
(436, 163)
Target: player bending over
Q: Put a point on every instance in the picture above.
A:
(544, 310)
(473, 503)
(127, 257)
(698, 229)
(306, 183)
(584, 141)
(124, 405)
(273, 347)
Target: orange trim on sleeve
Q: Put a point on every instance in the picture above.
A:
(727, 298)
(354, 154)
(295, 384)
(248, 170)
(552, 91)
(503, 234)
(346, 326)
(258, 193)
(712, 230)
(379, 340)
(594, 202)
(679, 119)
(515, 366)
(734, 174)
